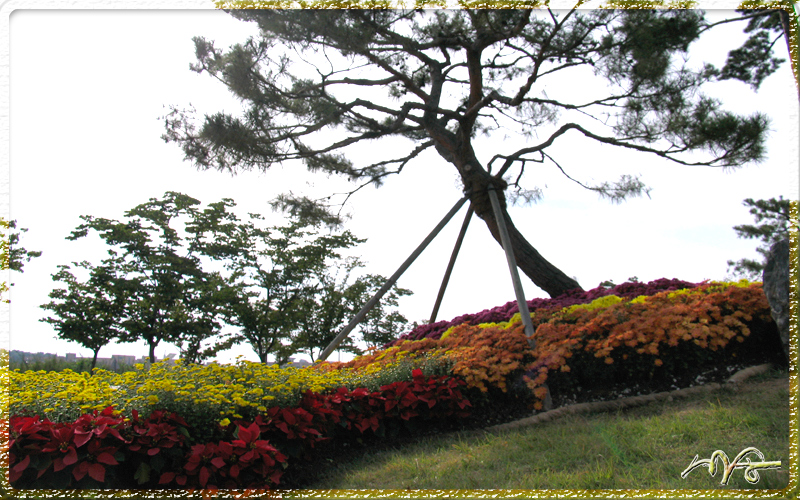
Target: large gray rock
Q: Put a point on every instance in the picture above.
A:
(776, 288)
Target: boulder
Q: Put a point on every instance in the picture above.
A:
(776, 288)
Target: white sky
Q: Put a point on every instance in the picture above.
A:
(87, 89)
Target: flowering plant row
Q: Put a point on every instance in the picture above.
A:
(505, 312)
(202, 395)
(104, 449)
(83, 453)
(241, 425)
(647, 337)
(608, 339)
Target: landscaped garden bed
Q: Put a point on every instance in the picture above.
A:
(253, 426)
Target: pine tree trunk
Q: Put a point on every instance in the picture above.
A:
(476, 179)
(543, 274)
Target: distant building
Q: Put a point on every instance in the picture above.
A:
(112, 363)
(115, 361)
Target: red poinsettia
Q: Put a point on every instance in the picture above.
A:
(200, 462)
(98, 456)
(98, 426)
(62, 442)
(254, 448)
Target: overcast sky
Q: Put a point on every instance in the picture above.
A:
(88, 88)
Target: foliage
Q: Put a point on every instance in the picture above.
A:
(200, 394)
(88, 313)
(506, 312)
(297, 291)
(245, 424)
(611, 339)
(12, 256)
(164, 450)
(754, 60)
(454, 77)
(773, 223)
(277, 271)
(243, 462)
(149, 449)
(156, 275)
(50, 364)
(84, 448)
(651, 336)
(281, 286)
(335, 303)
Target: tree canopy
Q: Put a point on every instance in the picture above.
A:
(12, 255)
(317, 84)
(87, 312)
(156, 271)
(204, 280)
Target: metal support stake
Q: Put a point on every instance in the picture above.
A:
(450, 264)
(374, 300)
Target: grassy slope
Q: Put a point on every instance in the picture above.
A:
(641, 448)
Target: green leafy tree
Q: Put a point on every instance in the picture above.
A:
(381, 324)
(15, 256)
(328, 305)
(274, 272)
(208, 299)
(336, 299)
(290, 297)
(5, 256)
(164, 286)
(12, 256)
(773, 223)
(317, 84)
(87, 312)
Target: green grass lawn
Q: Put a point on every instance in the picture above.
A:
(642, 448)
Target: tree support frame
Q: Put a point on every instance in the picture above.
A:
(450, 264)
(390, 282)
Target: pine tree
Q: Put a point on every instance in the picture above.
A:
(317, 84)
(773, 223)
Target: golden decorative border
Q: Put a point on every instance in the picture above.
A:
(790, 492)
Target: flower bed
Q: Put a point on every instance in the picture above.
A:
(245, 425)
(505, 312)
(608, 340)
(104, 449)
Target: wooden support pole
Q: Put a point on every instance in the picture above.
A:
(450, 264)
(512, 267)
(390, 282)
(524, 312)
